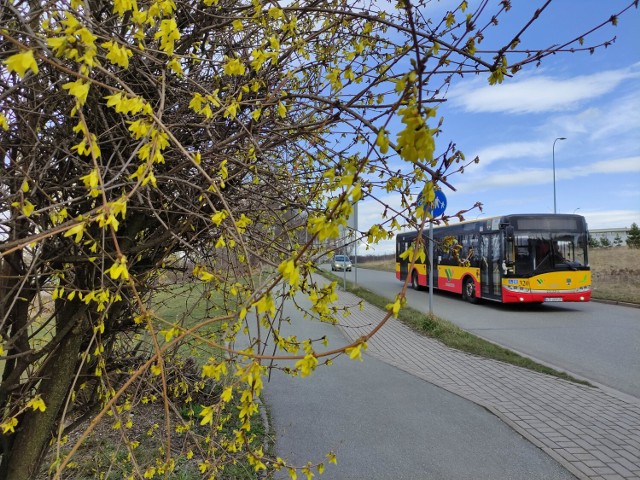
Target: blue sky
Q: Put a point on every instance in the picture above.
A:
(591, 99)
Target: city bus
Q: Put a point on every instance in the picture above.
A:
(521, 258)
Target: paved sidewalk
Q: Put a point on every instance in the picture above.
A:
(594, 433)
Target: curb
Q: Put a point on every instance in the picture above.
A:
(616, 302)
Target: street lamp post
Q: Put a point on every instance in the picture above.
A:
(554, 171)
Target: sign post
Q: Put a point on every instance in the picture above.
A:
(437, 209)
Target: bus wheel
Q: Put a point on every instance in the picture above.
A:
(414, 281)
(469, 290)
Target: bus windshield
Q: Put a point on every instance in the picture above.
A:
(538, 252)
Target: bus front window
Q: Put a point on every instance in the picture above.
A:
(537, 252)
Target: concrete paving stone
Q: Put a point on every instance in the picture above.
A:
(629, 465)
(628, 421)
(566, 455)
(575, 450)
(606, 448)
(584, 469)
(566, 444)
(557, 423)
(631, 454)
(604, 471)
(545, 430)
(600, 455)
(588, 443)
(620, 470)
(549, 443)
(613, 477)
(584, 457)
(593, 432)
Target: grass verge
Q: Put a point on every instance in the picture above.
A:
(451, 335)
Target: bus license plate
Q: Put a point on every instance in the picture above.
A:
(553, 299)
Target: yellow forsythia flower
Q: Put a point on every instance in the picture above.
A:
(207, 415)
(218, 217)
(150, 472)
(9, 425)
(21, 62)
(77, 230)
(234, 67)
(28, 208)
(382, 141)
(355, 353)
(119, 269)
(168, 34)
(265, 304)
(307, 365)
(282, 110)
(78, 89)
(118, 55)
(290, 272)
(227, 394)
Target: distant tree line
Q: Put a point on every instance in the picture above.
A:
(633, 239)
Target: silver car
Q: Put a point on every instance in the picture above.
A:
(341, 262)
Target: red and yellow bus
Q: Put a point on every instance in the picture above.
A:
(521, 258)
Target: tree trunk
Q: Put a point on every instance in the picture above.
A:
(36, 428)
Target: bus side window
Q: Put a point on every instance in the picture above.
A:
(473, 250)
(523, 255)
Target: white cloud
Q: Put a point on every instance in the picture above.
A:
(537, 93)
(537, 176)
(601, 123)
(621, 165)
(511, 150)
(611, 218)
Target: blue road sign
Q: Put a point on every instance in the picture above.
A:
(439, 204)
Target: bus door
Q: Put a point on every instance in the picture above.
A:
(490, 266)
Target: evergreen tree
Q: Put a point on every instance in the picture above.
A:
(633, 236)
(605, 242)
(617, 241)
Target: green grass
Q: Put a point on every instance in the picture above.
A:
(103, 455)
(451, 335)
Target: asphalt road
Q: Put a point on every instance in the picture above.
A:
(386, 424)
(597, 341)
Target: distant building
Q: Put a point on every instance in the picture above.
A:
(610, 234)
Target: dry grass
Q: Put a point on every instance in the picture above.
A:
(615, 273)
(387, 265)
